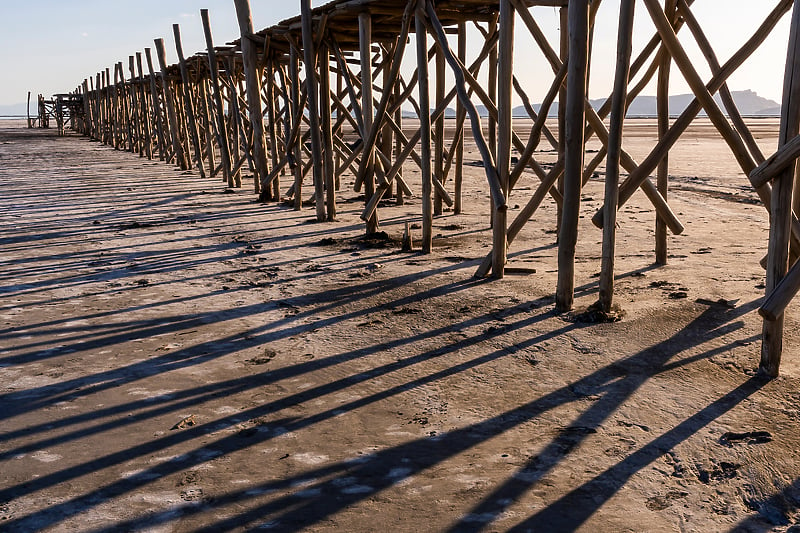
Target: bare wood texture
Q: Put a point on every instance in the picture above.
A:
(573, 150)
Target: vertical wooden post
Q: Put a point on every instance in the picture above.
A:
(367, 108)
(208, 123)
(389, 85)
(662, 103)
(296, 114)
(252, 75)
(136, 118)
(327, 130)
(147, 132)
(562, 109)
(492, 89)
(172, 117)
(505, 73)
(438, 133)
(781, 201)
(339, 88)
(460, 117)
(115, 107)
(234, 119)
(578, 23)
(618, 108)
(87, 109)
(127, 108)
(159, 122)
(273, 130)
(398, 118)
(219, 111)
(312, 90)
(101, 123)
(191, 117)
(29, 110)
(424, 126)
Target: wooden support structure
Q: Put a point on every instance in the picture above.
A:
(267, 102)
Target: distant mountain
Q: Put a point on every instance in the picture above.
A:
(748, 102)
(17, 109)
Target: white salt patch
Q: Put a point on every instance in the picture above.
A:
(46, 457)
(310, 458)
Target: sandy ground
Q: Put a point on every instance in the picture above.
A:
(177, 357)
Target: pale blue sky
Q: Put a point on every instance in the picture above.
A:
(50, 46)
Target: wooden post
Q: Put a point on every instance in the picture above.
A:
(578, 22)
(234, 118)
(618, 109)
(389, 85)
(147, 132)
(312, 89)
(398, 119)
(460, 117)
(492, 88)
(188, 104)
(438, 133)
(367, 108)
(252, 76)
(172, 116)
(156, 105)
(115, 107)
(219, 111)
(136, 122)
(208, 124)
(272, 124)
(504, 75)
(425, 126)
(127, 115)
(327, 130)
(339, 87)
(781, 202)
(662, 102)
(296, 115)
(562, 109)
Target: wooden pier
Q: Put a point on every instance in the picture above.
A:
(323, 95)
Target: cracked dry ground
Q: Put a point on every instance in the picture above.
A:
(177, 357)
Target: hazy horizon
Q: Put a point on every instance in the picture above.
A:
(94, 35)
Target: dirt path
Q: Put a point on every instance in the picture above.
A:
(174, 357)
